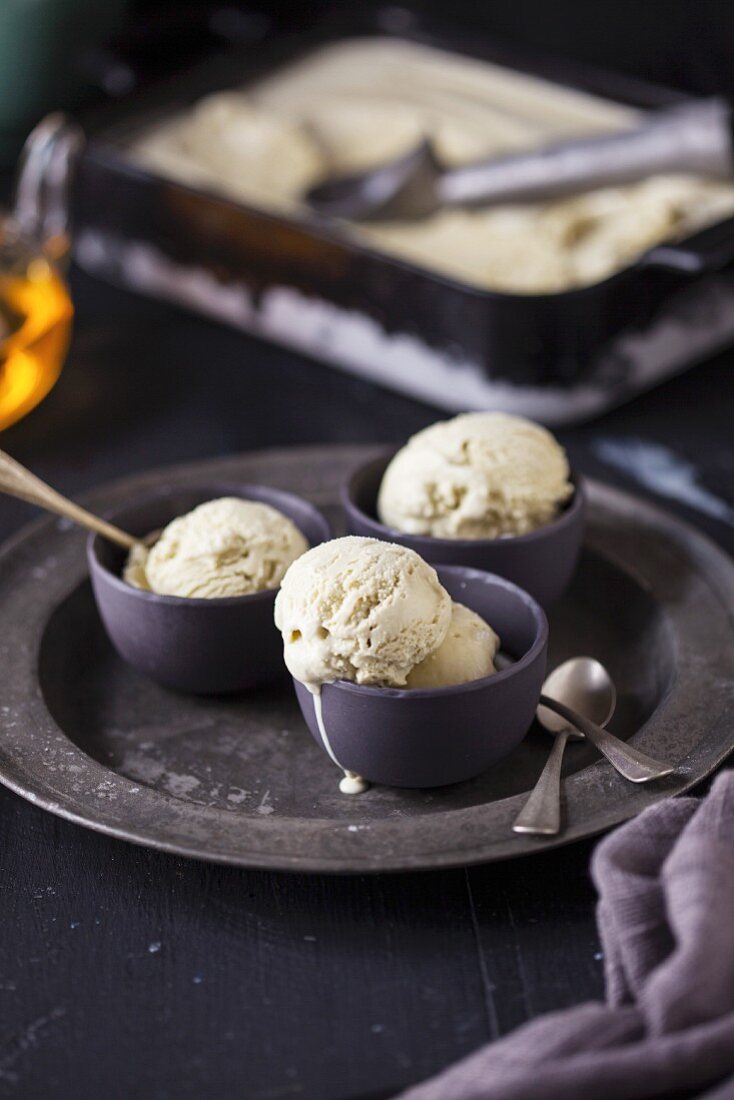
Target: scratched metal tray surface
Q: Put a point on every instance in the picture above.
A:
(239, 780)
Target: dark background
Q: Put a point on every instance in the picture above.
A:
(686, 44)
(125, 972)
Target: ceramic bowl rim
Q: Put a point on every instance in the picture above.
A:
(248, 598)
(568, 516)
(539, 642)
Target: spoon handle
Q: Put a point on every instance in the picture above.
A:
(541, 814)
(628, 761)
(694, 137)
(17, 481)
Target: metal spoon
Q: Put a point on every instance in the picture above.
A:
(693, 137)
(579, 693)
(17, 481)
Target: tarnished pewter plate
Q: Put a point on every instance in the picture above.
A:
(240, 780)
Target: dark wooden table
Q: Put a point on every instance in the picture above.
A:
(129, 973)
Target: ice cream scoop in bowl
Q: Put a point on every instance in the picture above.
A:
(428, 737)
(541, 561)
(204, 644)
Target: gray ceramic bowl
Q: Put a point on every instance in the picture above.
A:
(542, 562)
(428, 738)
(196, 645)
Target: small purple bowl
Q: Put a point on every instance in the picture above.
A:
(194, 645)
(431, 737)
(542, 562)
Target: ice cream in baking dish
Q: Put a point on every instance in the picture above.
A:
(357, 103)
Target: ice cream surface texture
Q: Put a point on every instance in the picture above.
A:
(478, 476)
(228, 143)
(225, 547)
(466, 653)
(360, 609)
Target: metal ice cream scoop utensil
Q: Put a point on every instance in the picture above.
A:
(579, 696)
(17, 481)
(693, 137)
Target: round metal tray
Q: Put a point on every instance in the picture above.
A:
(239, 780)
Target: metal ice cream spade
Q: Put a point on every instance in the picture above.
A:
(17, 481)
(693, 137)
(577, 700)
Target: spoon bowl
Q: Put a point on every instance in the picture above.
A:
(583, 684)
(404, 187)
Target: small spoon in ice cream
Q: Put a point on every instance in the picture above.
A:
(17, 481)
(577, 700)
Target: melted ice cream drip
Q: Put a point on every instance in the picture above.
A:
(351, 783)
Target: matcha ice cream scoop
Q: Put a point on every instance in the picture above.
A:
(478, 476)
(360, 609)
(225, 547)
(466, 653)
(376, 613)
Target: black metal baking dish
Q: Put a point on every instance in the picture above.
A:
(558, 357)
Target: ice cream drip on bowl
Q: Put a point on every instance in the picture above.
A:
(351, 783)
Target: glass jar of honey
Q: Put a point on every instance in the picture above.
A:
(35, 322)
(35, 306)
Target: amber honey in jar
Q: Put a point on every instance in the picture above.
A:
(35, 322)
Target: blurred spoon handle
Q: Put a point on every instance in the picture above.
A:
(17, 481)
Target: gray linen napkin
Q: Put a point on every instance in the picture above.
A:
(666, 920)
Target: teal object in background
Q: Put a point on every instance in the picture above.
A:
(41, 43)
